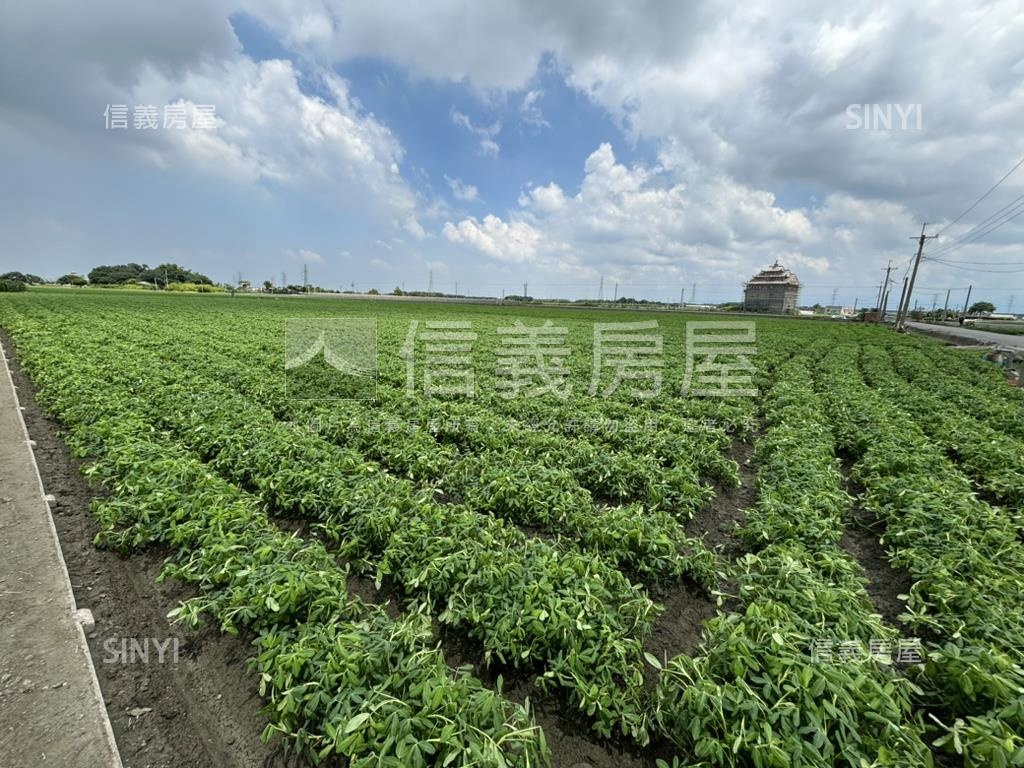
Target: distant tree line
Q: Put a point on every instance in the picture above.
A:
(20, 277)
(116, 274)
(164, 274)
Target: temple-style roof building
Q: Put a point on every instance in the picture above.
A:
(774, 289)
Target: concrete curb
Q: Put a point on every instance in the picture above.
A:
(109, 755)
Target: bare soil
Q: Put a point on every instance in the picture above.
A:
(862, 534)
(716, 521)
(568, 733)
(861, 539)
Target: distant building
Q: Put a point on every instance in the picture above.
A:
(837, 309)
(774, 289)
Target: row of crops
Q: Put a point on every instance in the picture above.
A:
(541, 544)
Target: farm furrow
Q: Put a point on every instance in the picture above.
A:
(756, 693)
(525, 601)
(993, 458)
(310, 633)
(963, 555)
(986, 397)
(513, 541)
(509, 486)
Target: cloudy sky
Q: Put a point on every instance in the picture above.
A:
(658, 145)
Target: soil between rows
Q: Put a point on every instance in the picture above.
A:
(202, 709)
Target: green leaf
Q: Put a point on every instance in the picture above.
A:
(356, 722)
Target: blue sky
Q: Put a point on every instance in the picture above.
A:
(655, 146)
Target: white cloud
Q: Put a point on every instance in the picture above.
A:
(756, 91)
(819, 264)
(514, 242)
(745, 105)
(836, 42)
(269, 132)
(635, 221)
(544, 199)
(304, 255)
(530, 112)
(461, 190)
(487, 146)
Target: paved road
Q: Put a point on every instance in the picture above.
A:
(971, 334)
(51, 709)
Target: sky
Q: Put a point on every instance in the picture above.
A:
(618, 148)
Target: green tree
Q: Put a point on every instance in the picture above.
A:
(117, 274)
(980, 307)
(172, 273)
(72, 279)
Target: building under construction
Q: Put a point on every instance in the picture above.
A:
(774, 289)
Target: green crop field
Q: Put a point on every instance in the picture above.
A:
(546, 494)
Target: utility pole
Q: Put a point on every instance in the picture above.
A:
(600, 289)
(693, 294)
(835, 294)
(945, 308)
(855, 303)
(305, 278)
(524, 291)
(456, 287)
(885, 304)
(903, 298)
(968, 302)
(901, 319)
(884, 293)
(1009, 304)
(430, 283)
(284, 280)
(682, 297)
(617, 292)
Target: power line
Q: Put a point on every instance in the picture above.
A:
(975, 269)
(989, 192)
(1004, 215)
(981, 263)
